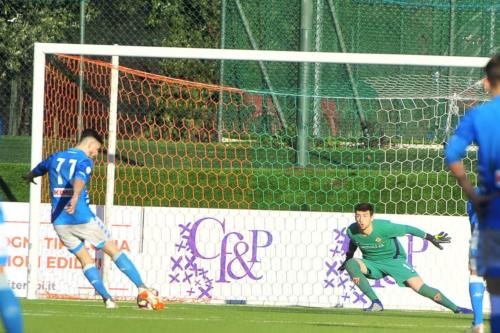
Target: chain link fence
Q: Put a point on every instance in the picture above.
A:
(128, 22)
(439, 27)
(375, 132)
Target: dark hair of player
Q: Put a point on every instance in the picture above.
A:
(364, 207)
(492, 70)
(91, 133)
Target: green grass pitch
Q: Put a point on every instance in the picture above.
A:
(44, 316)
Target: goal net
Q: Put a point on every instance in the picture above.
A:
(223, 193)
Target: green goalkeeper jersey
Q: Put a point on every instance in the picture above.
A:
(382, 243)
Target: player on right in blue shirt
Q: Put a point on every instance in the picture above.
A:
(481, 125)
(10, 310)
(476, 282)
(73, 220)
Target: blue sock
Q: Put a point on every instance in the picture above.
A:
(92, 274)
(128, 268)
(495, 313)
(476, 292)
(10, 310)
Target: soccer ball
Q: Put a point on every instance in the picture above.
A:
(144, 304)
(149, 299)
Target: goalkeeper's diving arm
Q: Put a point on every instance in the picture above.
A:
(436, 240)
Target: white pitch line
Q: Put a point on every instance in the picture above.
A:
(218, 319)
(337, 323)
(115, 316)
(120, 304)
(89, 303)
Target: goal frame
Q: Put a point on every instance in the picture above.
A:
(115, 51)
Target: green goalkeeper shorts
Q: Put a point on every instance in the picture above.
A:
(398, 269)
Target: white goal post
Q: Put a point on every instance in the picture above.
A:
(41, 50)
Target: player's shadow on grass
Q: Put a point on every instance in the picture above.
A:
(6, 191)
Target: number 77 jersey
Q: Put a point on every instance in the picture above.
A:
(64, 168)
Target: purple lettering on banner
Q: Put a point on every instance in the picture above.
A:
(255, 242)
(224, 253)
(332, 268)
(342, 282)
(187, 277)
(185, 228)
(339, 233)
(191, 268)
(237, 256)
(194, 268)
(205, 292)
(180, 246)
(176, 263)
(202, 271)
(337, 250)
(190, 262)
(174, 278)
(227, 267)
(412, 250)
(360, 297)
(194, 230)
(329, 283)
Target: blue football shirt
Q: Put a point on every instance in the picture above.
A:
(63, 168)
(3, 240)
(472, 215)
(481, 125)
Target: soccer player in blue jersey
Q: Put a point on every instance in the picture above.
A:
(73, 220)
(476, 282)
(10, 310)
(481, 125)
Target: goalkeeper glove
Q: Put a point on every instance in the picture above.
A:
(438, 239)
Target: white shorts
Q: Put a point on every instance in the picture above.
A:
(473, 248)
(74, 236)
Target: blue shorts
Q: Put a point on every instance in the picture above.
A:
(488, 252)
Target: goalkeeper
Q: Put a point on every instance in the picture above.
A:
(383, 256)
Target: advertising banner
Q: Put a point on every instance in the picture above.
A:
(242, 256)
